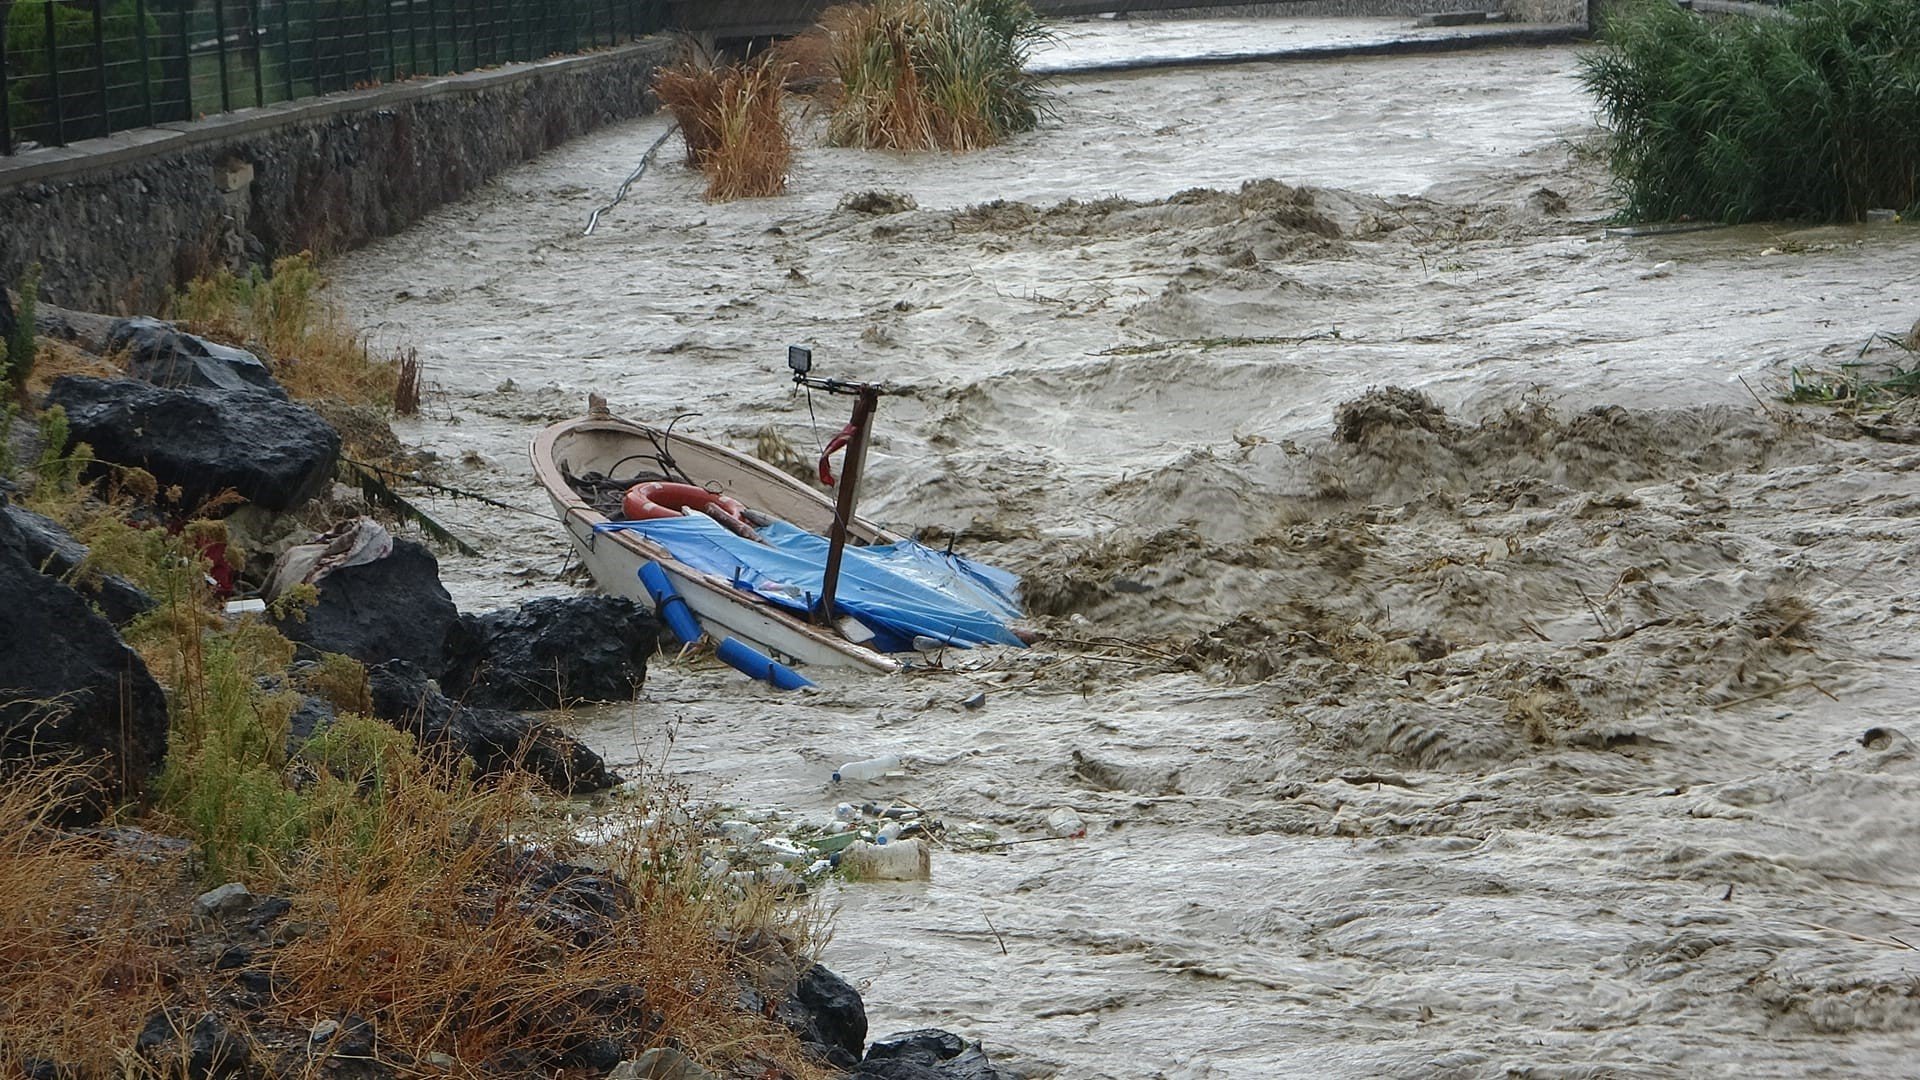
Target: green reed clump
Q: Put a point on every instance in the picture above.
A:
(932, 74)
(1815, 114)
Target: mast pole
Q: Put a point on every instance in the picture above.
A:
(864, 405)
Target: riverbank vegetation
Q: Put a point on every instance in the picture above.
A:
(733, 119)
(457, 924)
(314, 350)
(931, 74)
(430, 919)
(1815, 114)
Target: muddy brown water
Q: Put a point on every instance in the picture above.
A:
(1514, 729)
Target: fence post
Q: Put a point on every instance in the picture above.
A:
(313, 57)
(453, 32)
(6, 97)
(393, 59)
(433, 36)
(286, 47)
(253, 39)
(613, 25)
(220, 48)
(146, 63)
(100, 66)
(186, 63)
(53, 78)
(366, 42)
(573, 27)
(413, 44)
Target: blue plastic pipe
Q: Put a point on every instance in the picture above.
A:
(759, 665)
(668, 602)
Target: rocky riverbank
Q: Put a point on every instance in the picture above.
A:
(206, 685)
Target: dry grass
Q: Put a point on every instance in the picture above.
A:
(455, 943)
(57, 358)
(931, 74)
(312, 348)
(78, 941)
(416, 907)
(733, 118)
(430, 904)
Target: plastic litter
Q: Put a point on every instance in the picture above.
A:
(868, 769)
(1064, 822)
(903, 860)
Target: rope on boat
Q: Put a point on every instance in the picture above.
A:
(645, 160)
(384, 474)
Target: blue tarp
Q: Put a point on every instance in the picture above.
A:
(900, 591)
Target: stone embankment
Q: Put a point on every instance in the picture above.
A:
(117, 222)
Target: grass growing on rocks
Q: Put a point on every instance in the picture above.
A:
(932, 74)
(1815, 114)
(421, 901)
(311, 346)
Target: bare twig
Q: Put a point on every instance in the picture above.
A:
(1888, 940)
(1801, 684)
(996, 933)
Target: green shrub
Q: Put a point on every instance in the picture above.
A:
(1812, 115)
(17, 352)
(61, 466)
(226, 752)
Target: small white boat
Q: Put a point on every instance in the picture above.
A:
(612, 450)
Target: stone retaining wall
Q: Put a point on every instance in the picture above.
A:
(117, 222)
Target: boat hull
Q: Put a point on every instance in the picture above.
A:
(614, 558)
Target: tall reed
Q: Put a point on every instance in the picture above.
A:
(932, 74)
(733, 118)
(1815, 114)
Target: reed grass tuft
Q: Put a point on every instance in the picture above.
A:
(733, 118)
(932, 74)
(1812, 115)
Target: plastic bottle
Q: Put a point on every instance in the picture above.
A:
(888, 832)
(869, 769)
(903, 860)
(1064, 822)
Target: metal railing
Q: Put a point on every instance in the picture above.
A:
(76, 69)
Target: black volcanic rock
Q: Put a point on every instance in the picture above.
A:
(272, 453)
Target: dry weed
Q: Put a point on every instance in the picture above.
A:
(79, 933)
(314, 351)
(733, 119)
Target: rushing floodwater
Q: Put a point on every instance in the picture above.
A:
(1527, 748)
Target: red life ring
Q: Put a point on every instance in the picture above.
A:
(664, 499)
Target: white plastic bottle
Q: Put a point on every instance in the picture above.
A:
(902, 860)
(869, 769)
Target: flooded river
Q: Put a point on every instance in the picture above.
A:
(1512, 723)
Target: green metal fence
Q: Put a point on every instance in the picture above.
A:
(75, 69)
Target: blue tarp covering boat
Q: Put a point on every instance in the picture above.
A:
(900, 591)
